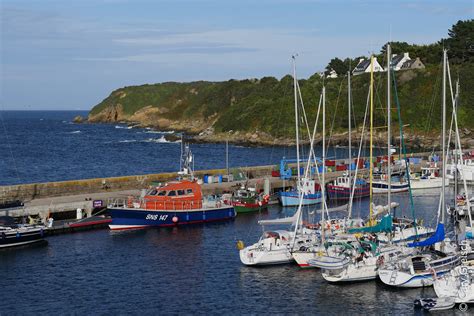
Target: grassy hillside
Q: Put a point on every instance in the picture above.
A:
(266, 104)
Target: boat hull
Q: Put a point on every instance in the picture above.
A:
(291, 198)
(428, 183)
(256, 257)
(302, 258)
(242, 207)
(344, 193)
(19, 238)
(352, 273)
(382, 187)
(130, 218)
(403, 279)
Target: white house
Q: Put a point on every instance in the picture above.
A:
(332, 74)
(364, 66)
(399, 60)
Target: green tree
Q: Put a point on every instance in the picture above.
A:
(460, 42)
(337, 65)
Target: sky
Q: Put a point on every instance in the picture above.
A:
(70, 55)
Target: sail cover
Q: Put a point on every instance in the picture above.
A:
(437, 237)
(385, 225)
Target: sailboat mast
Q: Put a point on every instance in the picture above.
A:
(323, 178)
(227, 156)
(350, 127)
(371, 134)
(296, 125)
(389, 135)
(443, 155)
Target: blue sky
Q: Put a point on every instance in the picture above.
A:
(68, 54)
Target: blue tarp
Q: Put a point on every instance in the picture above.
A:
(437, 237)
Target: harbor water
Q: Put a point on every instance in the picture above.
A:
(44, 146)
(180, 270)
(185, 270)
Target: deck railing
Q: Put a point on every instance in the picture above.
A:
(150, 204)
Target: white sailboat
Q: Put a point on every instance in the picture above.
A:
(457, 284)
(365, 260)
(422, 268)
(274, 247)
(304, 184)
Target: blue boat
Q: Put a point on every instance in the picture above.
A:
(291, 198)
(175, 203)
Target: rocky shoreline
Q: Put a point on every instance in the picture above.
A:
(195, 133)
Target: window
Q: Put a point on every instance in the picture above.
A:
(181, 192)
(152, 192)
(189, 191)
(162, 193)
(172, 193)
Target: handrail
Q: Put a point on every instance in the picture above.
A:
(151, 204)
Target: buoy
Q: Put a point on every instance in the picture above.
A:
(240, 245)
(175, 219)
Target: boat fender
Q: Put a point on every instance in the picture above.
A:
(175, 219)
(433, 273)
(240, 245)
(218, 204)
(259, 203)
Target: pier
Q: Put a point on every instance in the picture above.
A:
(80, 199)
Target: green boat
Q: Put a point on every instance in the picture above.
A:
(248, 200)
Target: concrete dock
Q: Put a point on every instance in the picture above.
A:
(53, 199)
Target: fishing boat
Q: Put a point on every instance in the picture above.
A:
(398, 184)
(341, 188)
(429, 178)
(247, 200)
(311, 195)
(13, 235)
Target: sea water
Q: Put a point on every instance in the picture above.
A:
(180, 270)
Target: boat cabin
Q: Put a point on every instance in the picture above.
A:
(177, 195)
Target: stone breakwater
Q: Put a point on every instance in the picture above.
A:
(26, 192)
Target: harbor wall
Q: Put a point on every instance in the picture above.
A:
(26, 192)
(32, 191)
